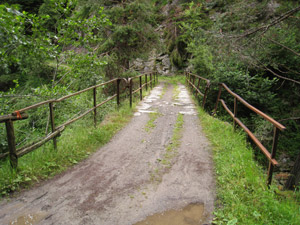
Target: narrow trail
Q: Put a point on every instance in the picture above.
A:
(146, 169)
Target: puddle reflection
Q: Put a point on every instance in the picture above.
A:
(192, 214)
(28, 219)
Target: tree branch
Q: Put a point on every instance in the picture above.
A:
(291, 50)
(293, 71)
(266, 27)
(268, 69)
(277, 75)
(292, 118)
(19, 96)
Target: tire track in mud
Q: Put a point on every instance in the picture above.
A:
(115, 186)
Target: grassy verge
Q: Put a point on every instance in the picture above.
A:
(176, 92)
(165, 162)
(75, 144)
(163, 90)
(150, 124)
(243, 197)
(171, 150)
(173, 79)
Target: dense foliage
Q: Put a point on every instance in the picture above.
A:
(44, 57)
(253, 47)
(49, 48)
(131, 34)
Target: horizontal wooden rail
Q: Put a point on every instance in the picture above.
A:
(277, 126)
(190, 80)
(257, 111)
(251, 135)
(56, 130)
(195, 75)
(85, 90)
(34, 106)
(26, 149)
(136, 90)
(199, 92)
(23, 151)
(13, 117)
(62, 98)
(143, 74)
(85, 113)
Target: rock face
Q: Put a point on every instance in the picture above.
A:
(158, 60)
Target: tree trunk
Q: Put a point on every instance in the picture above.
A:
(294, 178)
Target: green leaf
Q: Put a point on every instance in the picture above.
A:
(232, 222)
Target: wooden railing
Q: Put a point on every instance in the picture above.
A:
(192, 79)
(21, 114)
(150, 79)
(277, 127)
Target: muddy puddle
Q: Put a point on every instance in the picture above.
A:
(28, 219)
(192, 214)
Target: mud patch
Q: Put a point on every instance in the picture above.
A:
(31, 218)
(193, 214)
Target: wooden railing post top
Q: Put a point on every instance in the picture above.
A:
(13, 117)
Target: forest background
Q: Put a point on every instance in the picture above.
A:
(50, 48)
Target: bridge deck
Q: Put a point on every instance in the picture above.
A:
(146, 168)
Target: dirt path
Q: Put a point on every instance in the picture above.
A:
(139, 173)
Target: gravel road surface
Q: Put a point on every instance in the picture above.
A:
(133, 178)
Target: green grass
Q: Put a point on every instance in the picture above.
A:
(76, 143)
(242, 194)
(164, 90)
(171, 150)
(173, 79)
(150, 124)
(176, 92)
(177, 135)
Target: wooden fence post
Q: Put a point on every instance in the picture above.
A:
(146, 81)
(198, 86)
(185, 74)
(95, 104)
(141, 91)
(205, 94)
(11, 144)
(218, 99)
(52, 123)
(118, 91)
(130, 92)
(234, 112)
(273, 155)
(151, 85)
(193, 90)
